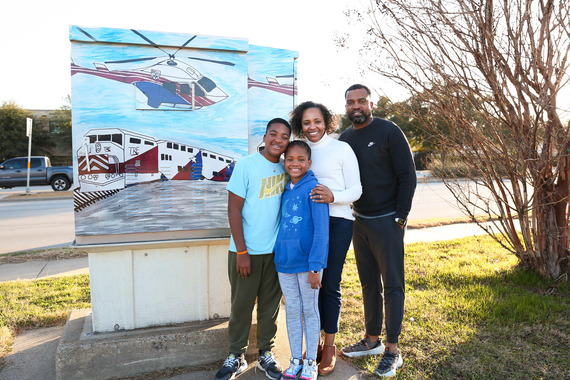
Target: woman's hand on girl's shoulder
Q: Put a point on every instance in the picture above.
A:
(322, 194)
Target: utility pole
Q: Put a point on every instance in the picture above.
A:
(29, 134)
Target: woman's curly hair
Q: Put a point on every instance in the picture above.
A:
(296, 120)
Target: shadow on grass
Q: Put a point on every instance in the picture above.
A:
(471, 313)
(510, 325)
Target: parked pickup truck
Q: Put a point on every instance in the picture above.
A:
(14, 172)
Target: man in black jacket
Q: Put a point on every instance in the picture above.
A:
(388, 178)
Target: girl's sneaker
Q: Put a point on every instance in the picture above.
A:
(295, 367)
(309, 370)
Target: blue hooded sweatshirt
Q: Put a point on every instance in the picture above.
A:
(303, 240)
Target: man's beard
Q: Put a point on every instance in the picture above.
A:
(359, 119)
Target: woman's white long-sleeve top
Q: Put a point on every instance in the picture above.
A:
(335, 166)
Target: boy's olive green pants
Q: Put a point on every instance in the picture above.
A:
(263, 285)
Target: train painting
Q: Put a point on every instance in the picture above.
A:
(114, 158)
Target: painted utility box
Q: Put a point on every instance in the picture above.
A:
(159, 122)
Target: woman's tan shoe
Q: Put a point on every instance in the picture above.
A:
(328, 360)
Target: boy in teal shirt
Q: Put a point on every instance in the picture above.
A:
(254, 202)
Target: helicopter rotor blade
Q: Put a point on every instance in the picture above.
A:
(214, 61)
(185, 43)
(149, 41)
(132, 60)
(87, 34)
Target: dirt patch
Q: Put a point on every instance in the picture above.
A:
(40, 255)
(46, 194)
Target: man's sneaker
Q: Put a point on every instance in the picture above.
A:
(388, 364)
(269, 364)
(295, 367)
(309, 370)
(364, 347)
(233, 366)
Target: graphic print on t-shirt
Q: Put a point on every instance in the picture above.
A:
(272, 186)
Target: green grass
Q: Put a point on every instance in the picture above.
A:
(471, 313)
(39, 303)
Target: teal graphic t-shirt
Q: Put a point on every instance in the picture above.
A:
(261, 183)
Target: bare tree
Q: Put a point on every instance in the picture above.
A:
(493, 72)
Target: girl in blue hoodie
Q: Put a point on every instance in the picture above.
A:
(301, 254)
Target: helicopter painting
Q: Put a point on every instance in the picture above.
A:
(273, 84)
(165, 82)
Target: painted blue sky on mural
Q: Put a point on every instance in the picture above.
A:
(213, 126)
(204, 127)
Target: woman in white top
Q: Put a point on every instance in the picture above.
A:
(336, 167)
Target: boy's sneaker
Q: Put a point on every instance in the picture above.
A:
(233, 366)
(388, 364)
(295, 367)
(364, 347)
(269, 364)
(309, 370)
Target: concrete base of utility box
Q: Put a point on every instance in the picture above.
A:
(158, 283)
(85, 355)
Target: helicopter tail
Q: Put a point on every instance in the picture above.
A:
(100, 66)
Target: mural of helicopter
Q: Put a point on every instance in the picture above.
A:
(274, 85)
(165, 81)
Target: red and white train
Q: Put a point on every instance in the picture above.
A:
(113, 158)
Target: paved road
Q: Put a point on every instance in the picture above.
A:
(433, 200)
(46, 223)
(36, 224)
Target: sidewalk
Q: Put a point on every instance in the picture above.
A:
(32, 270)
